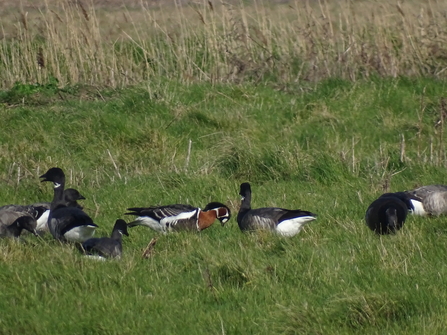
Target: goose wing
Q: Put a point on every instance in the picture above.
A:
(162, 218)
(64, 219)
(261, 218)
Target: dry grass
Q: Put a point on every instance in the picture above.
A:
(221, 42)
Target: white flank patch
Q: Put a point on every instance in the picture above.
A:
(172, 220)
(151, 223)
(163, 225)
(96, 257)
(42, 222)
(293, 226)
(80, 234)
(418, 208)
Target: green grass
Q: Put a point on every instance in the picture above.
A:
(331, 148)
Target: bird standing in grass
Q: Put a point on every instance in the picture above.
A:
(179, 217)
(66, 223)
(107, 247)
(286, 222)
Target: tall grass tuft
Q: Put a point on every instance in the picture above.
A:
(76, 42)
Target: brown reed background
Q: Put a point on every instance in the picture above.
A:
(110, 44)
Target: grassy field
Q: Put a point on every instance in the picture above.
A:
(321, 106)
(331, 149)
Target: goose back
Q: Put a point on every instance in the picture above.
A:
(386, 215)
(107, 246)
(430, 199)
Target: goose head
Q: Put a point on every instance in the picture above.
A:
(245, 190)
(121, 227)
(27, 223)
(56, 175)
(223, 213)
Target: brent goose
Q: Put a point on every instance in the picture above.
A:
(12, 223)
(71, 196)
(66, 223)
(429, 200)
(41, 210)
(179, 217)
(107, 247)
(285, 222)
(387, 214)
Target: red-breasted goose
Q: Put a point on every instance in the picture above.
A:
(286, 222)
(429, 200)
(179, 217)
(107, 247)
(66, 223)
(12, 223)
(387, 214)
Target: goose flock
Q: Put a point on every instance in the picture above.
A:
(65, 219)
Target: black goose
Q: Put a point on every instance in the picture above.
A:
(107, 247)
(285, 222)
(41, 210)
(429, 200)
(66, 223)
(179, 217)
(12, 223)
(387, 214)
(71, 197)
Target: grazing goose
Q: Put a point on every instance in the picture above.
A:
(285, 222)
(429, 200)
(179, 217)
(107, 247)
(66, 223)
(36, 211)
(41, 210)
(12, 223)
(387, 214)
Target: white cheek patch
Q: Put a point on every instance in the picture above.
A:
(224, 220)
(56, 185)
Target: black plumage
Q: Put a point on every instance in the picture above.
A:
(286, 222)
(107, 247)
(66, 223)
(12, 223)
(388, 213)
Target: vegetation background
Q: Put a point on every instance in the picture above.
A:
(321, 106)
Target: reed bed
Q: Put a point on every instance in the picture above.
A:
(75, 42)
